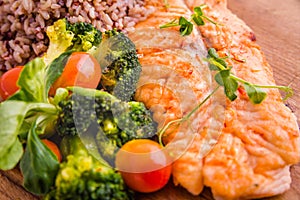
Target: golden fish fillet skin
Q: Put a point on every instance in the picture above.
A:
(238, 149)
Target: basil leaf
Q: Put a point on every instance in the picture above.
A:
(39, 165)
(11, 156)
(55, 69)
(255, 94)
(31, 82)
(230, 85)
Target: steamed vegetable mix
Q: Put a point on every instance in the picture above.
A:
(30, 118)
(108, 120)
(84, 177)
(114, 51)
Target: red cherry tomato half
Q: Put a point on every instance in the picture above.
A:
(144, 166)
(8, 82)
(81, 70)
(53, 147)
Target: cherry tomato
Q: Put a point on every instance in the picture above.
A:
(81, 70)
(53, 147)
(144, 166)
(8, 82)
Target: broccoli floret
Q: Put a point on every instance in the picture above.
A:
(133, 119)
(59, 40)
(110, 121)
(82, 177)
(120, 65)
(85, 36)
(64, 36)
(125, 122)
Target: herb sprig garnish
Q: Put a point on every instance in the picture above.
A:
(186, 26)
(225, 78)
(184, 118)
(230, 83)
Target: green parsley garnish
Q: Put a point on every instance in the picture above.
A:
(230, 82)
(186, 26)
(225, 78)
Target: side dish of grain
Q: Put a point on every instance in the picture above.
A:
(23, 23)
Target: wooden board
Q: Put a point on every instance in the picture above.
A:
(276, 25)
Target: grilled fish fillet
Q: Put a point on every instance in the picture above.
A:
(238, 149)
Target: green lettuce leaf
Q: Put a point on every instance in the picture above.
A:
(11, 157)
(38, 165)
(12, 114)
(32, 83)
(55, 69)
(12, 121)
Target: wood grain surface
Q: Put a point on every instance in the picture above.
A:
(276, 25)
